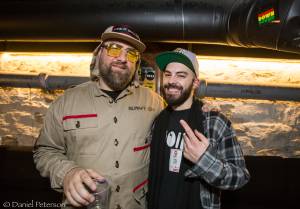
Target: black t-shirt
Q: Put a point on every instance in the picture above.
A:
(112, 94)
(176, 190)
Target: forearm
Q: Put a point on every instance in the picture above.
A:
(50, 154)
(52, 163)
(223, 173)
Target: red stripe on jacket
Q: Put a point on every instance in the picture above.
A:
(140, 185)
(135, 149)
(79, 116)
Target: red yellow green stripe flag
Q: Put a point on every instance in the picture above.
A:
(266, 17)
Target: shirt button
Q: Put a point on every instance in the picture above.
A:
(77, 124)
(116, 142)
(118, 206)
(111, 101)
(115, 119)
(117, 164)
(118, 188)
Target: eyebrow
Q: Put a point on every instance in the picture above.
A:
(179, 72)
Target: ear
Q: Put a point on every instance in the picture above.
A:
(100, 50)
(196, 83)
(136, 72)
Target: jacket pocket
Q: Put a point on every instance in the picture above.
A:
(140, 148)
(81, 134)
(140, 191)
(82, 121)
(140, 187)
(134, 186)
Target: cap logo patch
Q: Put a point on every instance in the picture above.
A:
(179, 50)
(126, 30)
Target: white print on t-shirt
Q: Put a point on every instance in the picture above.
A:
(173, 141)
(176, 145)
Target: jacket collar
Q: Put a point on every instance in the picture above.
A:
(127, 91)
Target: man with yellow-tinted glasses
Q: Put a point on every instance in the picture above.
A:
(100, 129)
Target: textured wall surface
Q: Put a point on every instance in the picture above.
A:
(263, 127)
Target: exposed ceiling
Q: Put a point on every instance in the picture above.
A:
(268, 24)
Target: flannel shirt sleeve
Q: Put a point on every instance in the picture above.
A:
(222, 165)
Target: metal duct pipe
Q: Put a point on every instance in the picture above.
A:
(213, 89)
(210, 89)
(42, 81)
(227, 22)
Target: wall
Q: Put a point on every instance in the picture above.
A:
(263, 127)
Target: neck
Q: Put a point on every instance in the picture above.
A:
(102, 85)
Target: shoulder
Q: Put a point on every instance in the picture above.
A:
(70, 95)
(151, 96)
(216, 117)
(217, 126)
(79, 88)
(148, 92)
(162, 115)
(80, 91)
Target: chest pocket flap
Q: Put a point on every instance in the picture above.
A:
(83, 121)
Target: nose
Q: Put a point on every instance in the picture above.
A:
(123, 56)
(172, 79)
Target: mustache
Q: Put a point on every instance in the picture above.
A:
(120, 64)
(173, 85)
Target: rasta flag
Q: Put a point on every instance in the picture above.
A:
(266, 16)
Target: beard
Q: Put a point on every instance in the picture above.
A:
(116, 80)
(175, 100)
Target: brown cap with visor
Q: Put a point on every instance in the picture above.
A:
(124, 33)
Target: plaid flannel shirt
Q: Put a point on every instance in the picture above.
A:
(222, 166)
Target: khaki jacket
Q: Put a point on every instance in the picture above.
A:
(86, 128)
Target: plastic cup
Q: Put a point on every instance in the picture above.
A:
(101, 194)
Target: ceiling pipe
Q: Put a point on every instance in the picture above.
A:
(42, 81)
(261, 92)
(206, 89)
(226, 22)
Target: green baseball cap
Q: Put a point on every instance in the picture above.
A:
(179, 55)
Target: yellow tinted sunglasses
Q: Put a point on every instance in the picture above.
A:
(115, 50)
